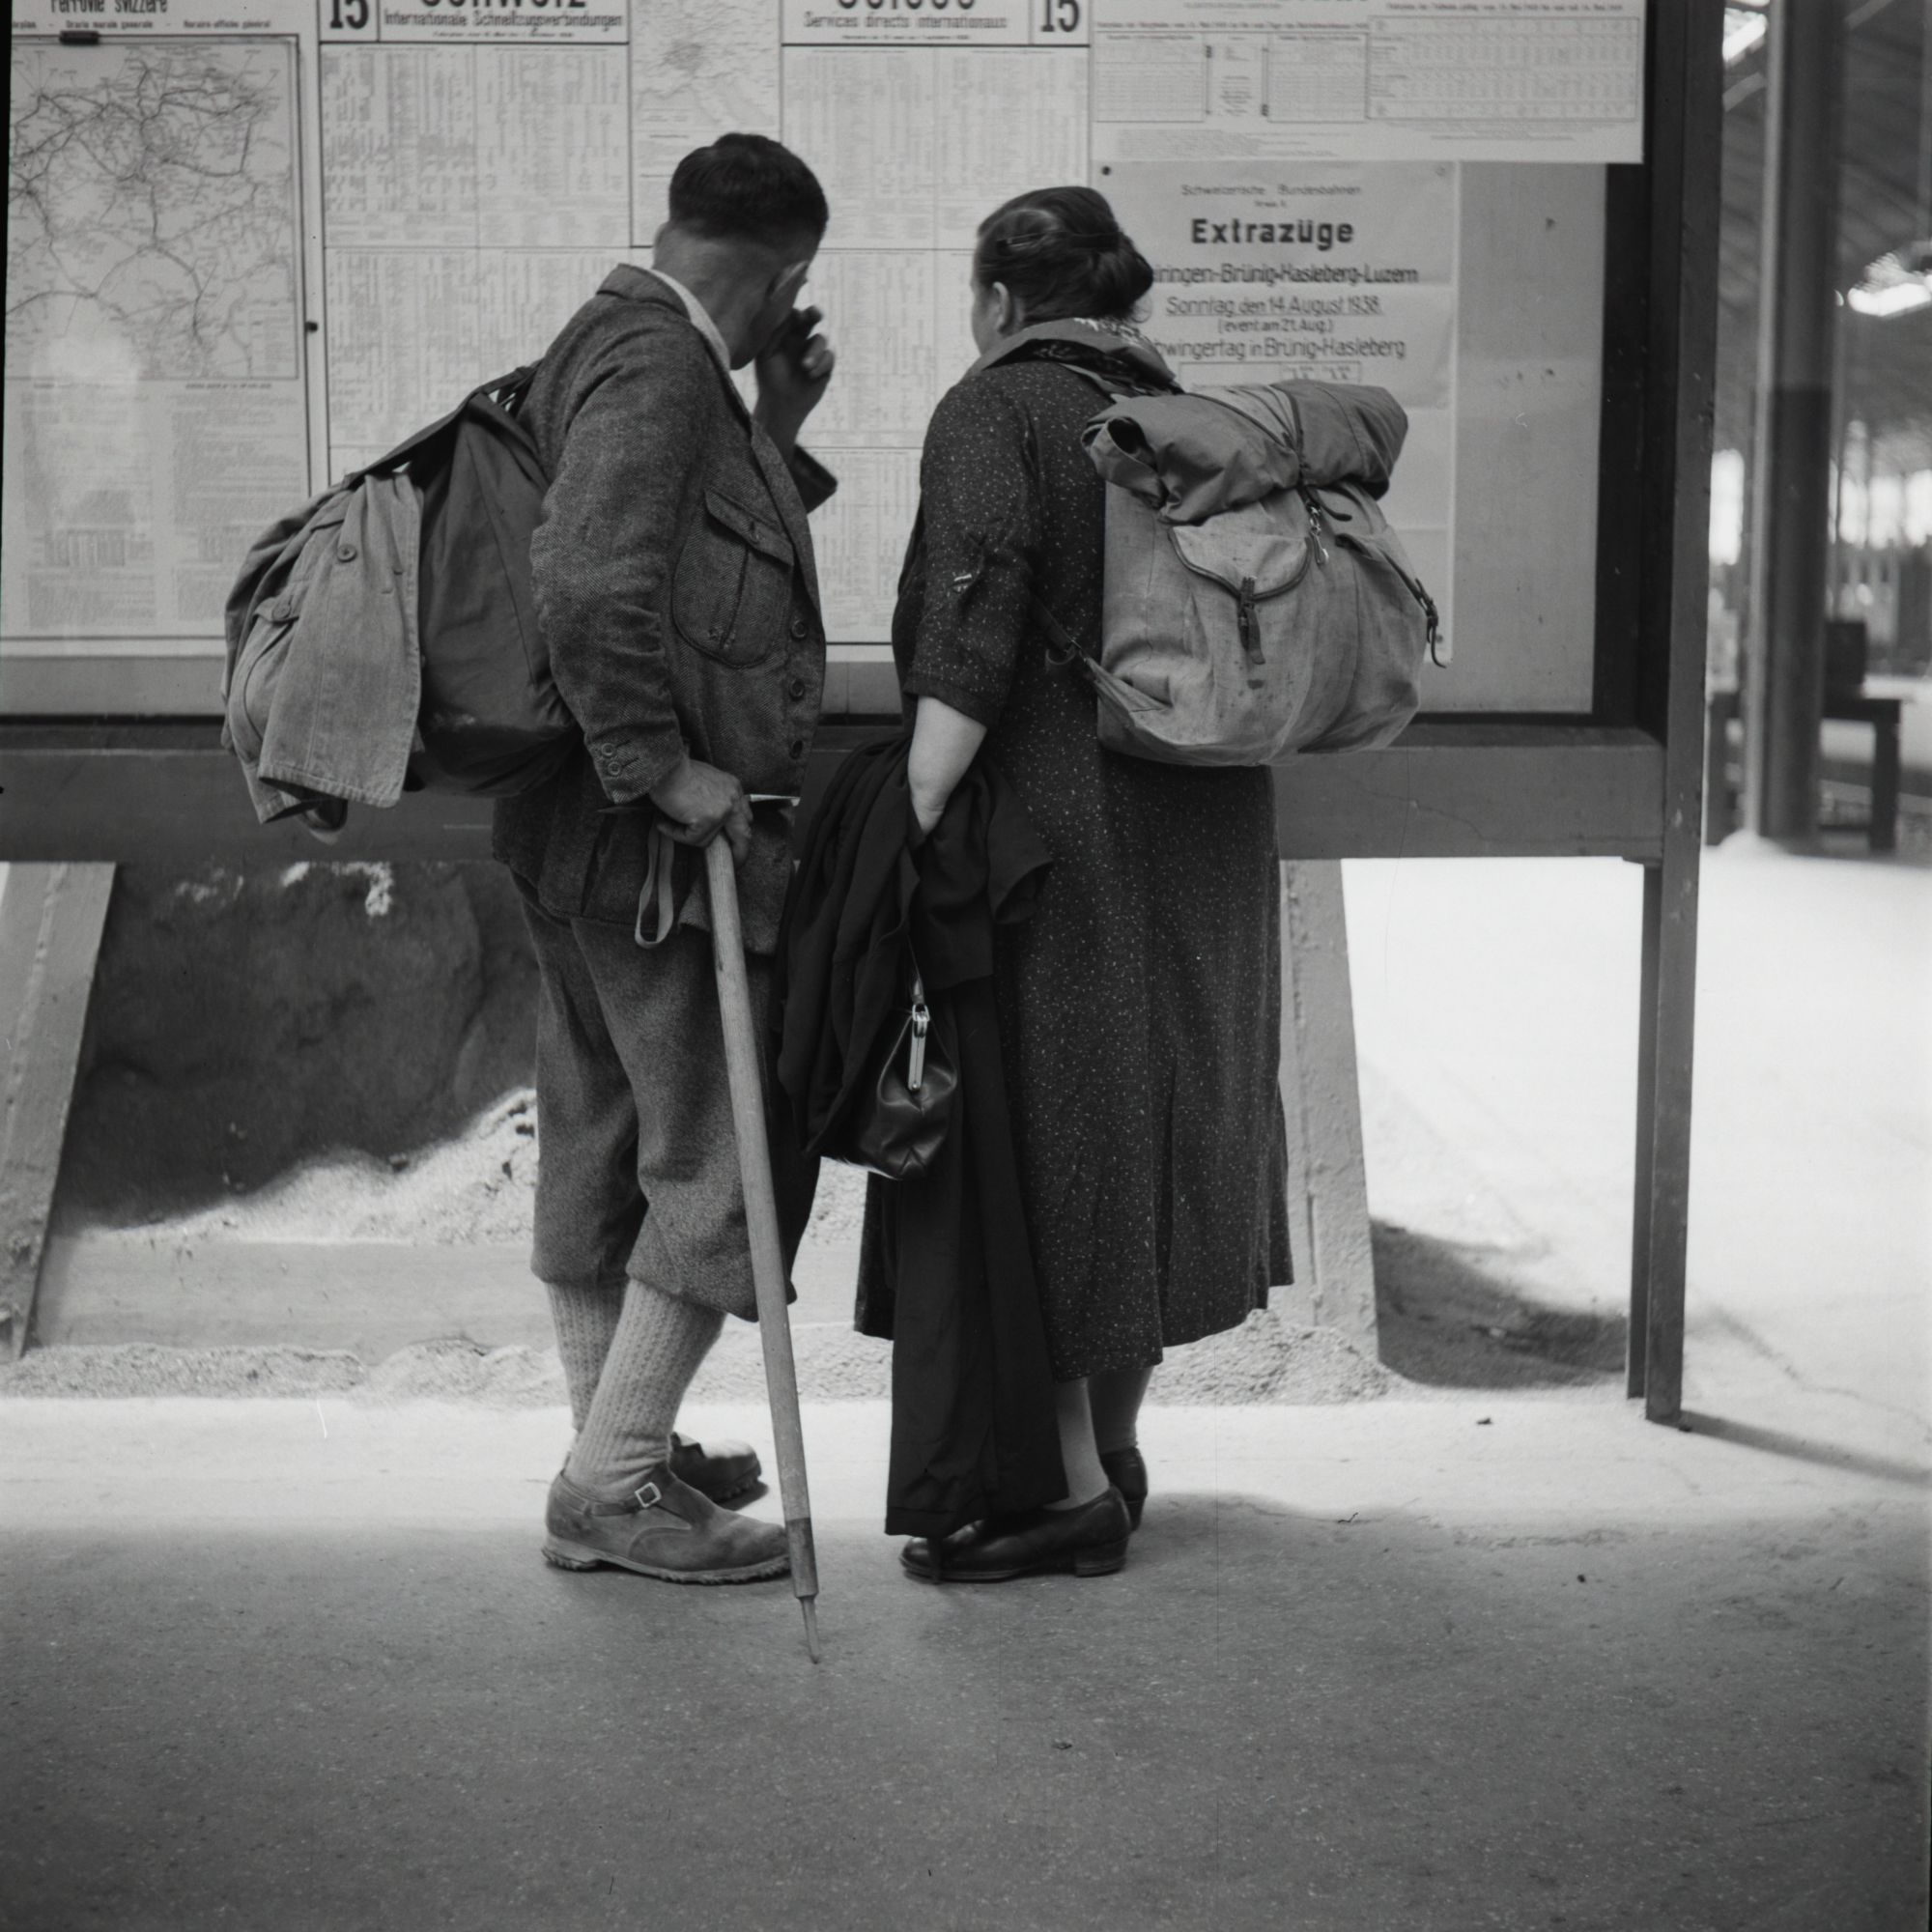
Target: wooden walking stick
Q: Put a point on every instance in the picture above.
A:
(762, 1218)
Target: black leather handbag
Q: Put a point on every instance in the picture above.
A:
(901, 1123)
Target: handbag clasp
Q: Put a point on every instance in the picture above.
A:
(921, 1021)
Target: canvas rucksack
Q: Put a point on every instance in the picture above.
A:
(1255, 600)
(459, 500)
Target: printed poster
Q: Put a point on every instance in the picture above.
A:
(1371, 80)
(1335, 272)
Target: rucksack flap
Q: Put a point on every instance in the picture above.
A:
(1199, 663)
(1255, 554)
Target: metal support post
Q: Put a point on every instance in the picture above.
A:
(1660, 1225)
(1636, 1345)
(1791, 500)
(1681, 357)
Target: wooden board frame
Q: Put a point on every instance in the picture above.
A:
(1625, 781)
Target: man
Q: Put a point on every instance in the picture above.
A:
(675, 588)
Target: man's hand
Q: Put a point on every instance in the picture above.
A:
(793, 369)
(698, 802)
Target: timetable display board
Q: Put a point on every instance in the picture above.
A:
(254, 243)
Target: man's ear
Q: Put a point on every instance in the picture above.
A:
(787, 282)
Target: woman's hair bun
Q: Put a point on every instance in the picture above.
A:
(1061, 253)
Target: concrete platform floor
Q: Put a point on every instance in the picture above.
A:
(1487, 1659)
(1519, 1663)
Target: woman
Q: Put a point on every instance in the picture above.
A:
(1139, 1006)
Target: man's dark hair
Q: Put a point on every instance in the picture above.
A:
(746, 187)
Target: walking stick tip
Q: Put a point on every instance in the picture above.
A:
(810, 1610)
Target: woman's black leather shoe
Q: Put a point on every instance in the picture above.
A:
(1091, 1541)
(1127, 1473)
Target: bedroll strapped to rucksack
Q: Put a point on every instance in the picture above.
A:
(1255, 602)
(383, 637)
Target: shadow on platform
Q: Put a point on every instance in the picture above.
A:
(1804, 1449)
(1447, 1316)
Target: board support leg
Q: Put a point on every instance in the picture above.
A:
(50, 924)
(1321, 1091)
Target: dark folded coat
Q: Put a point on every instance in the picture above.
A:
(948, 1273)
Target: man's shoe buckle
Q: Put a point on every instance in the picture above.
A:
(649, 1496)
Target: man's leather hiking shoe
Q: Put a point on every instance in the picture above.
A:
(662, 1528)
(720, 1469)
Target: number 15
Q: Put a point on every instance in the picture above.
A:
(1059, 16)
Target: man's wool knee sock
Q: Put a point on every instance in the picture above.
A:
(586, 1318)
(659, 1345)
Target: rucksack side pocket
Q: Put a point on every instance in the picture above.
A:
(1395, 628)
(1386, 547)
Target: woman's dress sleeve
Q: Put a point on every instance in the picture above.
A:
(980, 512)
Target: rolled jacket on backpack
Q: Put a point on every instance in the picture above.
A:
(1191, 457)
(323, 674)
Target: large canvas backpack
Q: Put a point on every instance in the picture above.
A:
(1255, 602)
(460, 650)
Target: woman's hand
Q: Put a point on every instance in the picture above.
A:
(944, 743)
(926, 812)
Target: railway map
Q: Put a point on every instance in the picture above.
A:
(150, 198)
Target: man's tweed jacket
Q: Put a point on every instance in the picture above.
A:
(677, 595)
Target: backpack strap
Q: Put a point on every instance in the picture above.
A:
(1062, 649)
(1113, 392)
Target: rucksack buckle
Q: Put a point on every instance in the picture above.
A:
(1438, 645)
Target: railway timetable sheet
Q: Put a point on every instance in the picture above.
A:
(251, 245)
